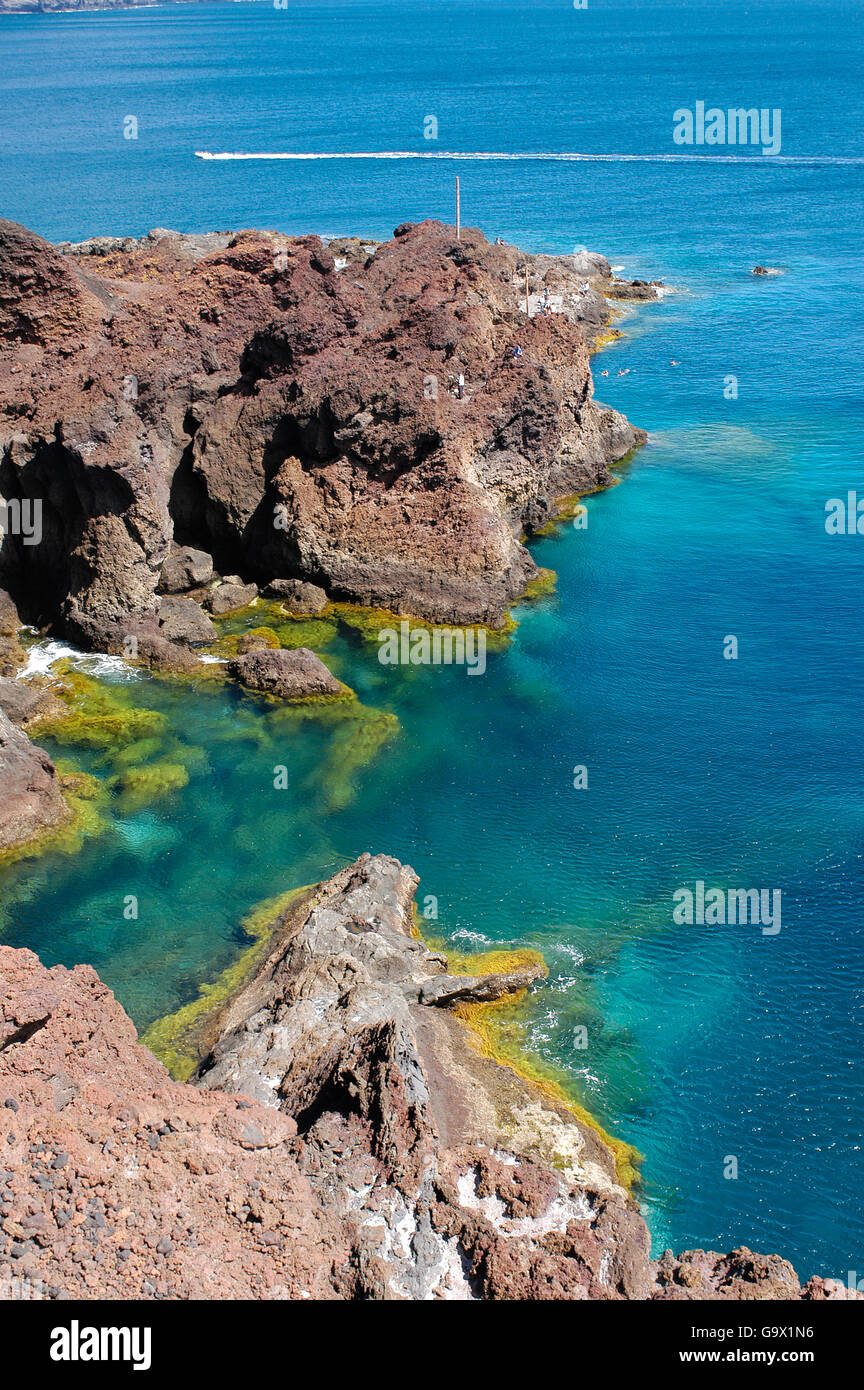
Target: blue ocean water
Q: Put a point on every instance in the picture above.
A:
(703, 1042)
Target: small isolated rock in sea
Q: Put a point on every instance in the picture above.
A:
(182, 620)
(185, 569)
(230, 596)
(306, 600)
(292, 675)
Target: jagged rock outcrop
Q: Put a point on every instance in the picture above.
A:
(242, 396)
(343, 1138)
(32, 801)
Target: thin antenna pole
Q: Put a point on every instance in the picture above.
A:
(527, 295)
(458, 212)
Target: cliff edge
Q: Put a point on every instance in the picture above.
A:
(344, 1138)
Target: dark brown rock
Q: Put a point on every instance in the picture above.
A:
(185, 569)
(26, 702)
(183, 620)
(137, 637)
(12, 654)
(292, 675)
(291, 420)
(229, 597)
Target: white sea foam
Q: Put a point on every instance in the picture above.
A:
(43, 655)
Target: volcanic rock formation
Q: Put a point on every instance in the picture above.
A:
(242, 396)
(343, 1139)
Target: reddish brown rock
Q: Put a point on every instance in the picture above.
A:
(186, 568)
(243, 397)
(31, 801)
(343, 1139)
(122, 1184)
(292, 675)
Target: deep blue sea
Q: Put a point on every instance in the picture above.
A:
(704, 1042)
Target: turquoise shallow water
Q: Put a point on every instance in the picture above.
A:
(703, 1042)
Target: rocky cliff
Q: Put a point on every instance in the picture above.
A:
(344, 1138)
(293, 413)
(32, 801)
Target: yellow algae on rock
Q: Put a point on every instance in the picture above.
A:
(497, 1031)
(99, 716)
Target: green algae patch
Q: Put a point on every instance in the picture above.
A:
(369, 623)
(497, 1032)
(358, 733)
(175, 1038)
(99, 716)
(567, 508)
(139, 786)
(269, 620)
(356, 743)
(604, 339)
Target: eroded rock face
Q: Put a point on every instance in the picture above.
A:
(343, 1139)
(292, 675)
(31, 801)
(243, 398)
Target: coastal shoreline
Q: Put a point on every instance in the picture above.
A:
(341, 1139)
(427, 1086)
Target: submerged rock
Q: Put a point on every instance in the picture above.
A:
(297, 674)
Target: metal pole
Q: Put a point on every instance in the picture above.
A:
(458, 212)
(527, 295)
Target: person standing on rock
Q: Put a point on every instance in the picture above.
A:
(460, 386)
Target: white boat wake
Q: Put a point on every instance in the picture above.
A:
(479, 155)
